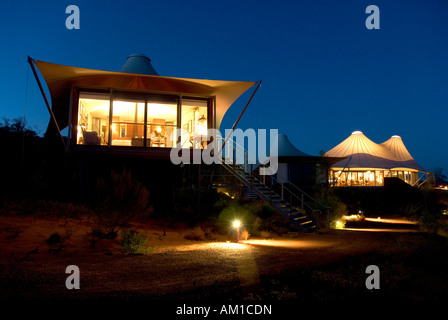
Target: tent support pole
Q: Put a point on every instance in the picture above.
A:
(30, 61)
(350, 159)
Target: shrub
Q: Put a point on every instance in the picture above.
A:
(134, 242)
(118, 202)
(431, 222)
(337, 224)
(244, 235)
(56, 242)
(196, 234)
(338, 207)
(265, 234)
(256, 226)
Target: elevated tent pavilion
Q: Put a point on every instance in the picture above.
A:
(367, 163)
(134, 110)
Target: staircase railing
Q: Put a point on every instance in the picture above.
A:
(295, 197)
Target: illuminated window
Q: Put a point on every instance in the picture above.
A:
(194, 123)
(162, 121)
(93, 119)
(128, 118)
(141, 120)
(379, 176)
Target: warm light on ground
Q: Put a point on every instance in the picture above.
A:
(286, 243)
(247, 245)
(395, 221)
(213, 245)
(381, 230)
(355, 217)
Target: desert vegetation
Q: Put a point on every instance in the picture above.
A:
(55, 210)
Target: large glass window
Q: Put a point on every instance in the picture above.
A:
(194, 123)
(141, 120)
(93, 119)
(128, 122)
(162, 122)
(379, 178)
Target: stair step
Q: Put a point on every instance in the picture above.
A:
(259, 189)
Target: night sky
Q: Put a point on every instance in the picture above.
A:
(324, 73)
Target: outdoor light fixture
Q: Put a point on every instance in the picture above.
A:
(236, 225)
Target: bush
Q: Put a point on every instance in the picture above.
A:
(338, 208)
(244, 235)
(337, 224)
(134, 242)
(196, 234)
(265, 234)
(431, 222)
(118, 202)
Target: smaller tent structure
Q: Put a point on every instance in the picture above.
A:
(295, 166)
(366, 163)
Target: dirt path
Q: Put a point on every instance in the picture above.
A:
(312, 266)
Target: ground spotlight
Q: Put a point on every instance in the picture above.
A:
(237, 225)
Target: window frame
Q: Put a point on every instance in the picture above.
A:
(136, 95)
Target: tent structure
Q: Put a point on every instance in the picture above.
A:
(401, 154)
(294, 166)
(286, 148)
(139, 78)
(366, 163)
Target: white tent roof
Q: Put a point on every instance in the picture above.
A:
(400, 152)
(361, 152)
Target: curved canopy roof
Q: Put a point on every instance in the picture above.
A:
(396, 146)
(361, 152)
(61, 78)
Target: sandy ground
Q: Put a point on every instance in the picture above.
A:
(326, 266)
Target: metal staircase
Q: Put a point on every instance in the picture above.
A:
(295, 214)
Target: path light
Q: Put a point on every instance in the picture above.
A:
(236, 225)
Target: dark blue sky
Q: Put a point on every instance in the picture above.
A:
(324, 73)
